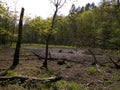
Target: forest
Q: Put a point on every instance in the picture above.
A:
(79, 51)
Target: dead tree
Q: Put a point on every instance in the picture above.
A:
(58, 4)
(18, 45)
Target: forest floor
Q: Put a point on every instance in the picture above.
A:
(74, 65)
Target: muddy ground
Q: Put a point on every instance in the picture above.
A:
(77, 65)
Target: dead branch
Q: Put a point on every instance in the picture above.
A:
(24, 78)
(39, 57)
(95, 60)
(115, 64)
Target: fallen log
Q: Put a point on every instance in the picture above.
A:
(24, 78)
(65, 59)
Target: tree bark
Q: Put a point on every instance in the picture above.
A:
(18, 45)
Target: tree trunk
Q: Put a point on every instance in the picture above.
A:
(46, 53)
(48, 38)
(18, 45)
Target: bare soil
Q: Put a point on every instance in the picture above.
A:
(77, 67)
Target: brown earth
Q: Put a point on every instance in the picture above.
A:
(77, 66)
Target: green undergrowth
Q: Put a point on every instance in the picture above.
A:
(59, 85)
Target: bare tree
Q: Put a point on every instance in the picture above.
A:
(18, 45)
(57, 4)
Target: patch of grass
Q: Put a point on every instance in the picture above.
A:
(10, 72)
(60, 85)
(29, 71)
(51, 46)
(26, 53)
(91, 70)
(60, 46)
(31, 68)
(44, 73)
(65, 85)
(12, 87)
(75, 86)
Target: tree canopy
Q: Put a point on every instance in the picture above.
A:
(89, 25)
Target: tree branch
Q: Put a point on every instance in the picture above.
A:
(115, 64)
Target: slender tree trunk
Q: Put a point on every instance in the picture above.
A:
(46, 53)
(48, 38)
(18, 45)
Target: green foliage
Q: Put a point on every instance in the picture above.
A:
(91, 70)
(93, 26)
(7, 24)
(84, 26)
(2, 32)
